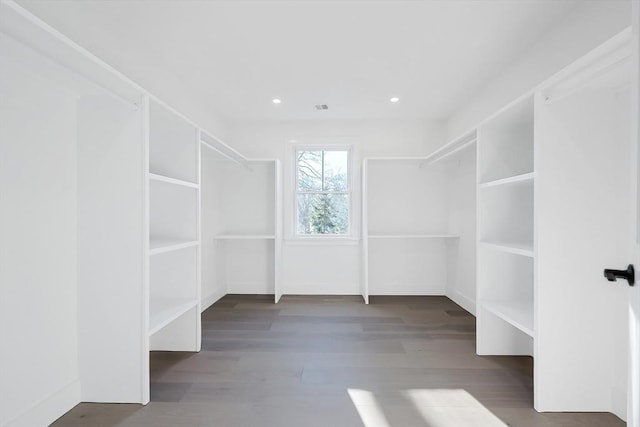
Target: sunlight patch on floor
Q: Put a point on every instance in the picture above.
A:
(445, 408)
(368, 408)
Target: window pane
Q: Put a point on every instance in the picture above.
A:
(309, 165)
(335, 170)
(323, 213)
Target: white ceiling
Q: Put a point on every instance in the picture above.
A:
(351, 55)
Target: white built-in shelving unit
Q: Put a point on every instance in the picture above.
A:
(506, 231)
(406, 234)
(124, 170)
(87, 217)
(174, 231)
(547, 226)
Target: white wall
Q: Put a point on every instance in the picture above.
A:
(587, 26)
(38, 220)
(328, 267)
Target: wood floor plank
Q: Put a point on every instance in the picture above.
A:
(333, 361)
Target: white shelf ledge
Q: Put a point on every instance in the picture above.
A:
(517, 313)
(523, 178)
(413, 236)
(245, 237)
(512, 248)
(162, 178)
(163, 311)
(159, 246)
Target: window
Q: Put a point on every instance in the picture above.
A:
(323, 192)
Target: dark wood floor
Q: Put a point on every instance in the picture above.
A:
(333, 362)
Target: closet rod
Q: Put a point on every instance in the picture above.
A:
(31, 49)
(211, 147)
(450, 153)
(583, 79)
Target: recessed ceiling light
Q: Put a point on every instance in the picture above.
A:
(394, 99)
(276, 101)
(293, 141)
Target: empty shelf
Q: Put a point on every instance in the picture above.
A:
(162, 178)
(525, 177)
(413, 236)
(245, 237)
(158, 246)
(512, 248)
(163, 311)
(516, 313)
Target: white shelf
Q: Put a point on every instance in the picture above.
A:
(162, 178)
(512, 248)
(413, 236)
(163, 311)
(517, 313)
(158, 246)
(522, 178)
(245, 237)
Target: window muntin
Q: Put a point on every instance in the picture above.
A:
(323, 192)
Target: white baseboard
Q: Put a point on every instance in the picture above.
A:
(49, 409)
(322, 288)
(619, 402)
(408, 288)
(210, 299)
(463, 301)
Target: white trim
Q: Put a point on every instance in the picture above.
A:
(145, 312)
(198, 137)
(49, 409)
(463, 301)
(364, 215)
(211, 299)
(323, 288)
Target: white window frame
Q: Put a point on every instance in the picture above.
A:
(349, 192)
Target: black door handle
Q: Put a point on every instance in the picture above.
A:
(629, 275)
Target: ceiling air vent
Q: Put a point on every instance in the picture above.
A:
(322, 107)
